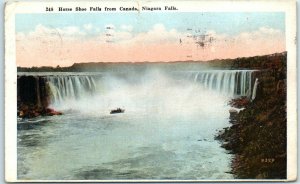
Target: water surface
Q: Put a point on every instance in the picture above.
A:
(166, 132)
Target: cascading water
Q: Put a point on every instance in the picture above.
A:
(230, 82)
(70, 87)
(254, 89)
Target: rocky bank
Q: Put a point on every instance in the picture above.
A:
(257, 137)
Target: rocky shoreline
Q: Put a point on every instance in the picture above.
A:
(32, 111)
(257, 136)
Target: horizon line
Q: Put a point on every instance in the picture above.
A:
(140, 62)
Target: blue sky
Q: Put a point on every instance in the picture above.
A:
(229, 23)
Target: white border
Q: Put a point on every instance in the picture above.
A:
(12, 8)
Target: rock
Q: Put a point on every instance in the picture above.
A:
(31, 111)
(24, 107)
(261, 176)
(32, 90)
(57, 113)
(280, 87)
(233, 113)
(21, 113)
(36, 114)
(239, 102)
(51, 112)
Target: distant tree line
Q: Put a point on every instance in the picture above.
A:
(273, 61)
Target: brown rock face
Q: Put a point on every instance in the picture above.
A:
(32, 90)
(258, 134)
(33, 97)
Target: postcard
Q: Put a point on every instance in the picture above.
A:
(150, 91)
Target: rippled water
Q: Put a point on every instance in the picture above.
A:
(166, 132)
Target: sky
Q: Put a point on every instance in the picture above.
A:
(67, 38)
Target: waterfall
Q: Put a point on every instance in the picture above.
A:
(70, 87)
(231, 82)
(254, 89)
(75, 86)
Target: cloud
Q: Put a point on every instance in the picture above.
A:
(127, 28)
(71, 31)
(158, 34)
(88, 27)
(269, 31)
(66, 45)
(261, 33)
(47, 33)
(109, 26)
